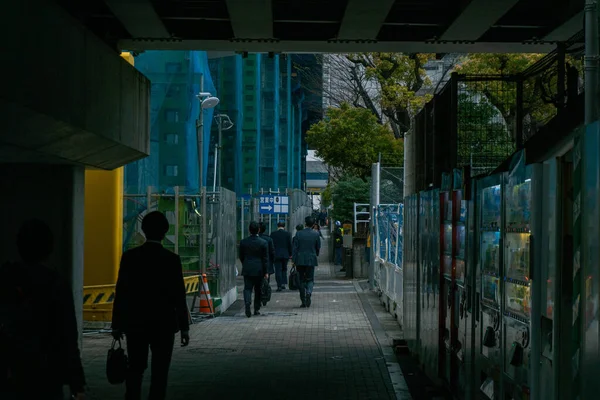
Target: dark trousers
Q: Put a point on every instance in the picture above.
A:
(252, 282)
(306, 281)
(34, 391)
(281, 271)
(338, 256)
(161, 344)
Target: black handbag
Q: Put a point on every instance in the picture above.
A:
(116, 364)
(293, 279)
(265, 292)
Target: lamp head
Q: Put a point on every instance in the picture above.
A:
(210, 102)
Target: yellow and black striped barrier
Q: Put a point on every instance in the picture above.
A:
(98, 299)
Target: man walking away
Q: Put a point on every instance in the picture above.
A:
(254, 255)
(306, 250)
(270, 264)
(39, 340)
(338, 241)
(150, 321)
(282, 240)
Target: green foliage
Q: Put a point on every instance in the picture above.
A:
(483, 136)
(347, 191)
(326, 196)
(400, 77)
(350, 139)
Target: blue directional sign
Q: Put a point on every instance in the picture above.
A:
(274, 204)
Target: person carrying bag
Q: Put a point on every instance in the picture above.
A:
(116, 364)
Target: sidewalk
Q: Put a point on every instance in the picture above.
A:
(328, 351)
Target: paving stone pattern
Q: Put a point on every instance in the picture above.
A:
(328, 351)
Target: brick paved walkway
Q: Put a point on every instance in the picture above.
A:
(328, 351)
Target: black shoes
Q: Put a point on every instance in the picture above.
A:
(256, 312)
(279, 289)
(303, 305)
(308, 300)
(248, 312)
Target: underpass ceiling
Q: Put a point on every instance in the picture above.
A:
(332, 25)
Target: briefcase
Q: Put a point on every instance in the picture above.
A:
(293, 279)
(265, 292)
(116, 363)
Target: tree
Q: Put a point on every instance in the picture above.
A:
(350, 139)
(393, 86)
(347, 191)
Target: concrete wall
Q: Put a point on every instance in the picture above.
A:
(54, 194)
(67, 97)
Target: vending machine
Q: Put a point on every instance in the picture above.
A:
(517, 282)
(460, 316)
(447, 332)
(488, 350)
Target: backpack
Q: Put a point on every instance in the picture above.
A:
(21, 339)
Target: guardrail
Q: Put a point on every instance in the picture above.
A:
(98, 300)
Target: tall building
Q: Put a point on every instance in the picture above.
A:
(173, 160)
(264, 95)
(265, 98)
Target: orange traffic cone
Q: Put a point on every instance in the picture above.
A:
(206, 302)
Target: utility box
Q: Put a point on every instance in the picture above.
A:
(347, 237)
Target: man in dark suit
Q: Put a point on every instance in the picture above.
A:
(305, 256)
(150, 307)
(282, 241)
(254, 255)
(270, 264)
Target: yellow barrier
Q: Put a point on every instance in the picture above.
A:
(98, 300)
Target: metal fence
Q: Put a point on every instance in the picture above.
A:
(388, 243)
(185, 231)
(300, 206)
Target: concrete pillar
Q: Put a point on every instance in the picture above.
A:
(54, 194)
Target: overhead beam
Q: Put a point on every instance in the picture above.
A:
(139, 18)
(309, 47)
(363, 19)
(251, 19)
(476, 18)
(568, 29)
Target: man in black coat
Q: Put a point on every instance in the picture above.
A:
(307, 245)
(270, 264)
(150, 307)
(282, 241)
(39, 347)
(254, 255)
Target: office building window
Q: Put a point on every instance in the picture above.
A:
(171, 170)
(172, 115)
(249, 97)
(174, 90)
(172, 138)
(173, 67)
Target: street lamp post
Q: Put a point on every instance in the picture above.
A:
(218, 147)
(207, 101)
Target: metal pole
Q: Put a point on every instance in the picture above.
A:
(591, 61)
(220, 144)
(201, 188)
(375, 175)
(242, 219)
(148, 198)
(176, 228)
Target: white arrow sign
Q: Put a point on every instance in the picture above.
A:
(266, 208)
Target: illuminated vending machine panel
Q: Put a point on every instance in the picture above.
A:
(490, 202)
(517, 284)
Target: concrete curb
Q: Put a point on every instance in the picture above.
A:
(385, 334)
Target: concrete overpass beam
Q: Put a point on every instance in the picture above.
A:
(139, 18)
(567, 30)
(67, 97)
(251, 19)
(476, 18)
(363, 19)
